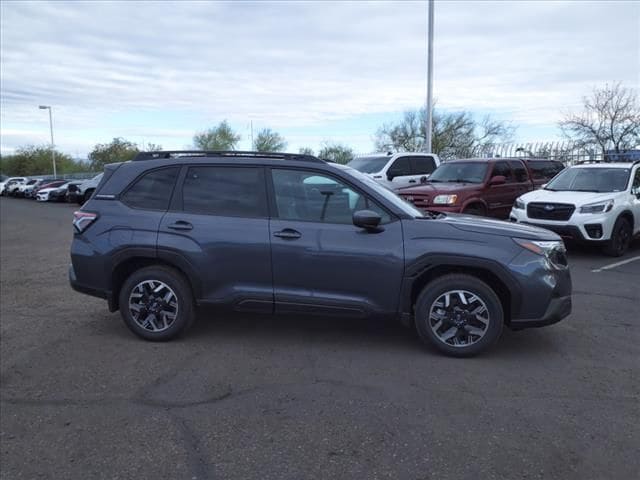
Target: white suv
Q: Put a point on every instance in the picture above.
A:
(397, 170)
(596, 202)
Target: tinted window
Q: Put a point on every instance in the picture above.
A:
(400, 167)
(369, 164)
(153, 190)
(502, 168)
(462, 172)
(313, 197)
(544, 170)
(519, 171)
(590, 180)
(423, 165)
(225, 191)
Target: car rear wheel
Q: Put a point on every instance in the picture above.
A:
(459, 315)
(620, 238)
(156, 303)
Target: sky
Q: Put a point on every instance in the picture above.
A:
(315, 71)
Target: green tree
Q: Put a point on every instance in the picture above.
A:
(306, 151)
(610, 119)
(269, 141)
(336, 152)
(36, 160)
(221, 137)
(118, 150)
(455, 135)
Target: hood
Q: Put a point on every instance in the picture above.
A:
(488, 226)
(574, 198)
(436, 188)
(47, 190)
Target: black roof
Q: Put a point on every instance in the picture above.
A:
(225, 153)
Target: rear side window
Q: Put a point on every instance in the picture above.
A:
(519, 171)
(225, 191)
(423, 165)
(153, 190)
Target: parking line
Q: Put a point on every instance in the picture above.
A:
(614, 265)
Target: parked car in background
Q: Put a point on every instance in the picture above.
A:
(82, 192)
(591, 203)
(397, 170)
(286, 233)
(11, 184)
(542, 170)
(30, 190)
(483, 186)
(43, 194)
(20, 192)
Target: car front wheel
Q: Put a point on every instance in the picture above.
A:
(620, 238)
(156, 303)
(459, 315)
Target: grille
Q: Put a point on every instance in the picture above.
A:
(419, 201)
(550, 211)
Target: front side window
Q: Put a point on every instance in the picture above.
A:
(225, 191)
(153, 190)
(635, 188)
(423, 165)
(313, 197)
(502, 168)
(400, 167)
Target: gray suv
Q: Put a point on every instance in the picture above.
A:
(292, 234)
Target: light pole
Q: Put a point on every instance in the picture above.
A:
(429, 119)
(53, 151)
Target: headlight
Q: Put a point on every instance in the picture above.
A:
(554, 251)
(445, 199)
(518, 204)
(600, 207)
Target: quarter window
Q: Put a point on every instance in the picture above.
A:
(312, 197)
(153, 190)
(225, 191)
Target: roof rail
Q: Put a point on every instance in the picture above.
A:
(586, 162)
(225, 153)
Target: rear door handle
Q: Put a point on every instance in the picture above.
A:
(180, 225)
(288, 233)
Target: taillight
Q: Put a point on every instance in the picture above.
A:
(82, 220)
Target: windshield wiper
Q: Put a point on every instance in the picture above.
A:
(584, 190)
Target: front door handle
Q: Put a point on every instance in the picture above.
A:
(180, 225)
(288, 233)
(412, 181)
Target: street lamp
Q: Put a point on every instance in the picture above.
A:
(53, 152)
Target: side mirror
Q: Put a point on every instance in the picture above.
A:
(424, 178)
(368, 220)
(498, 180)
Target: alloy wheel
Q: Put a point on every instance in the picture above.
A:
(459, 318)
(153, 305)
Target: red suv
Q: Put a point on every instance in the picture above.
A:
(483, 186)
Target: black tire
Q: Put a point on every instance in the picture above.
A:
(184, 299)
(471, 285)
(475, 210)
(621, 237)
(87, 195)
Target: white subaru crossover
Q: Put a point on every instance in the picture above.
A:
(591, 202)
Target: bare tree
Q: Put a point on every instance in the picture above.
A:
(455, 135)
(610, 120)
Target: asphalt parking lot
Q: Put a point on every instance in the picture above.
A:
(280, 398)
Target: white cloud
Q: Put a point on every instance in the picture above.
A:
(116, 68)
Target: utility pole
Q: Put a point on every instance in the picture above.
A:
(252, 144)
(53, 151)
(429, 119)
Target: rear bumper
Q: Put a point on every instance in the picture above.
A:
(87, 290)
(557, 309)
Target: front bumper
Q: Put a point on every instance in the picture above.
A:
(575, 229)
(558, 309)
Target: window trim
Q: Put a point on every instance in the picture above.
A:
(179, 191)
(273, 207)
(133, 183)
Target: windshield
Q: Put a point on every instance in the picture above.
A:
(368, 164)
(402, 204)
(471, 172)
(590, 180)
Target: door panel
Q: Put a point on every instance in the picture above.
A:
(324, 264)
(500, 198)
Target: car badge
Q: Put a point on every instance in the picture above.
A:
(549, 208)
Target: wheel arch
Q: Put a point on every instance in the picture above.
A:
(475, 201)
(628, 215)
(130, 264)
(492, 274)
